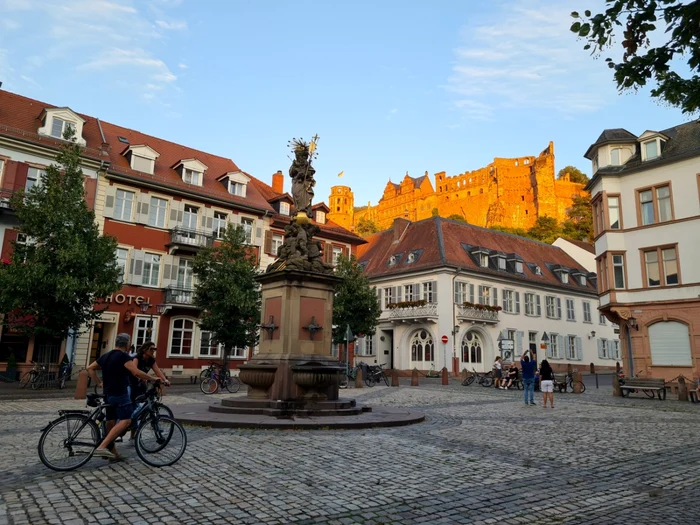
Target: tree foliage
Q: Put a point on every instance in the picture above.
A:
(54, 279)
(575, 174)
(227, 292)
(366, 227)
(458, 217)
(579, 223)
(546, 229)
(634, 21)
(355, 303)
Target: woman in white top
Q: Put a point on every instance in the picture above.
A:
(498, 372)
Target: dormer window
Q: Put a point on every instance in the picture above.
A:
(501, 263)
(518, 266)
(284, 208)
(618, 156)
(582, 280)
(60, 126)
(236, 183)
(538, 270)
(650, 149)
(321, 217)
(236, 188)
(141, 158)
(484, 260)
(564, 277)
(192, 177)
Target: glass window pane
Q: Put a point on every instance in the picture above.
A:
(652, 264)
(615, 157)
(670, 265)
(651, 149)
(614, 211)
(647, 207)
(663, 198)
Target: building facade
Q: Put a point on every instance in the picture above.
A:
(508, 192)
(646, 205)
(484, 293)
(164, 203)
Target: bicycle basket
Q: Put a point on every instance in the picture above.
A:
(93, 400)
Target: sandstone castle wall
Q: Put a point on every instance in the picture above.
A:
(508, 192)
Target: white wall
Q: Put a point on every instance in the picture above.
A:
(578, 254)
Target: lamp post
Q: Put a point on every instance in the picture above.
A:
(145, 307)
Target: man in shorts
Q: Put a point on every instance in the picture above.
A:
(117, 367)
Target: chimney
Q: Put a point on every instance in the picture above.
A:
(399, 228)
(278, 182)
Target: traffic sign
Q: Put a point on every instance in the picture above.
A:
(444, 339)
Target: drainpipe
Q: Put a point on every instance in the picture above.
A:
(454, 317)
(629, 349)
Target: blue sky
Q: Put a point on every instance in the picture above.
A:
(390, 86)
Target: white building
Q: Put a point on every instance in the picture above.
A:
(580, 251)
(646, 207)
(440, 279)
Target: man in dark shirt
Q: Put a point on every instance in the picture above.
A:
(117, 367)
(528, 365)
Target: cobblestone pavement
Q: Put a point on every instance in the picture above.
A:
(481, 456)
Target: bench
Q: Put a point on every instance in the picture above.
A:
(655, 386)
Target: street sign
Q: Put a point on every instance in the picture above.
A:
(444, 339)
(507, 344)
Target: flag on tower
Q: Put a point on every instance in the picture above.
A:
(341, 173)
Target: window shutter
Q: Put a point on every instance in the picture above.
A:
(268, 242)
(457, 287)
(517, 302)
(481, 294)
(550, 354)
(495, 297)
(538, 305)
(258, 231)
(110, 194)
(136, 266)
(397, 294)
(173, 213)
(471, 293)
(328, 253)
(168, 261)
(560, 346)
(558, 308)
(503, 298)
(519, 342)
(600, 348)
(435, 292)
(670, 344)
(140, 202)
(579, 349)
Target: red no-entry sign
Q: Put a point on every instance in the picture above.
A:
(444, 339)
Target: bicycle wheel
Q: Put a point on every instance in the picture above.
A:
(343, 382)
(468, 381)
(370, 381)
(209, 386)
(68, 442)
(26, 378)
(650, 393)
(37, 381)
(205, 374)
(518, 384)
(161, 441)
(487, 382)
(160, 410)
(233, 384)
(385, 377)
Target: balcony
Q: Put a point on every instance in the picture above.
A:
(182, 297)
(185, 240)
(476, 315)
(5, 199)
(414, 314)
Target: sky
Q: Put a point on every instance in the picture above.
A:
(390, 87)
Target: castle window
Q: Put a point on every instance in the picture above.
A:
(470, 180)
(522, 197)
(516, 162)
(526, 161)
(481, 190)
(469, 193)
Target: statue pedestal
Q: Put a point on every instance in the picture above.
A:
(294, 371)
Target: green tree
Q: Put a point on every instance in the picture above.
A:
(458, 217)
(575, 174)
(54, 279)
(366, 227)
(227, 292)
(635, 22)
(545, 229)
(579, 222)
(513, 231)
(355, 302)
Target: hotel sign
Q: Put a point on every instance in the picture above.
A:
(121, 298)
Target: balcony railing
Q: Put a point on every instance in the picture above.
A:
(477, 315)
(415, 314)
(179, 296)
(183, 237)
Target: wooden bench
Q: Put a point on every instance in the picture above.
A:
(655, 386)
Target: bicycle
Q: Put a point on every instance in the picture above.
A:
(375, 374)
(485, 380)
(33, 377)
(570, 383)
(77, 433)
(350, 376)
(648, 393)
(64, 375)
(211, 369)
(219, 380)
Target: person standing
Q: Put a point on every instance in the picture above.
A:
(497, 372)
(116, 368)
(144, 361)
(547, 383)
(527, 366)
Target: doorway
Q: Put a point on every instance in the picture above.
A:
(97, 341)
(387, 349)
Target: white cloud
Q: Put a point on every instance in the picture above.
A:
(178, 25)
(182, 66)
(135, 61)
(525, 57)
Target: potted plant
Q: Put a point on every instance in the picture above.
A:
(11, 370)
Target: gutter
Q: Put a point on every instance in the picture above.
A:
(455, 327)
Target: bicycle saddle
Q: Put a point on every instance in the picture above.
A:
(93, 400)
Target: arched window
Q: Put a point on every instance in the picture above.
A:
(670, 344)
(182, 336)
(472, 348)
(422, 346)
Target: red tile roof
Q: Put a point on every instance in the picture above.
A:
(440, 243)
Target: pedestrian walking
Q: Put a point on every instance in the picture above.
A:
(145, 361)
(497, 372)
(547, 383)
(527, 366)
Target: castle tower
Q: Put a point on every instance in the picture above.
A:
(342, 204)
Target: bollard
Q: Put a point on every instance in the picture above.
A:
(682, 389)
(358, 378)
(394, 377)
(414, 377)
(577, 382)
(464, 374)
(596, 380)
(616, 386)
(617, 367)
(592, 368)
(82, 386)
(445, 377)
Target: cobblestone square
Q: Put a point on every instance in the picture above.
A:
(481, 456)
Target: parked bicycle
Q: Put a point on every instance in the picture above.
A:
(36, 377)
(483, 379)
(220, 378)
(64, 375)
(211, 369)
(568, 384)
(69, 441)
(351, 375)
(375, 374)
